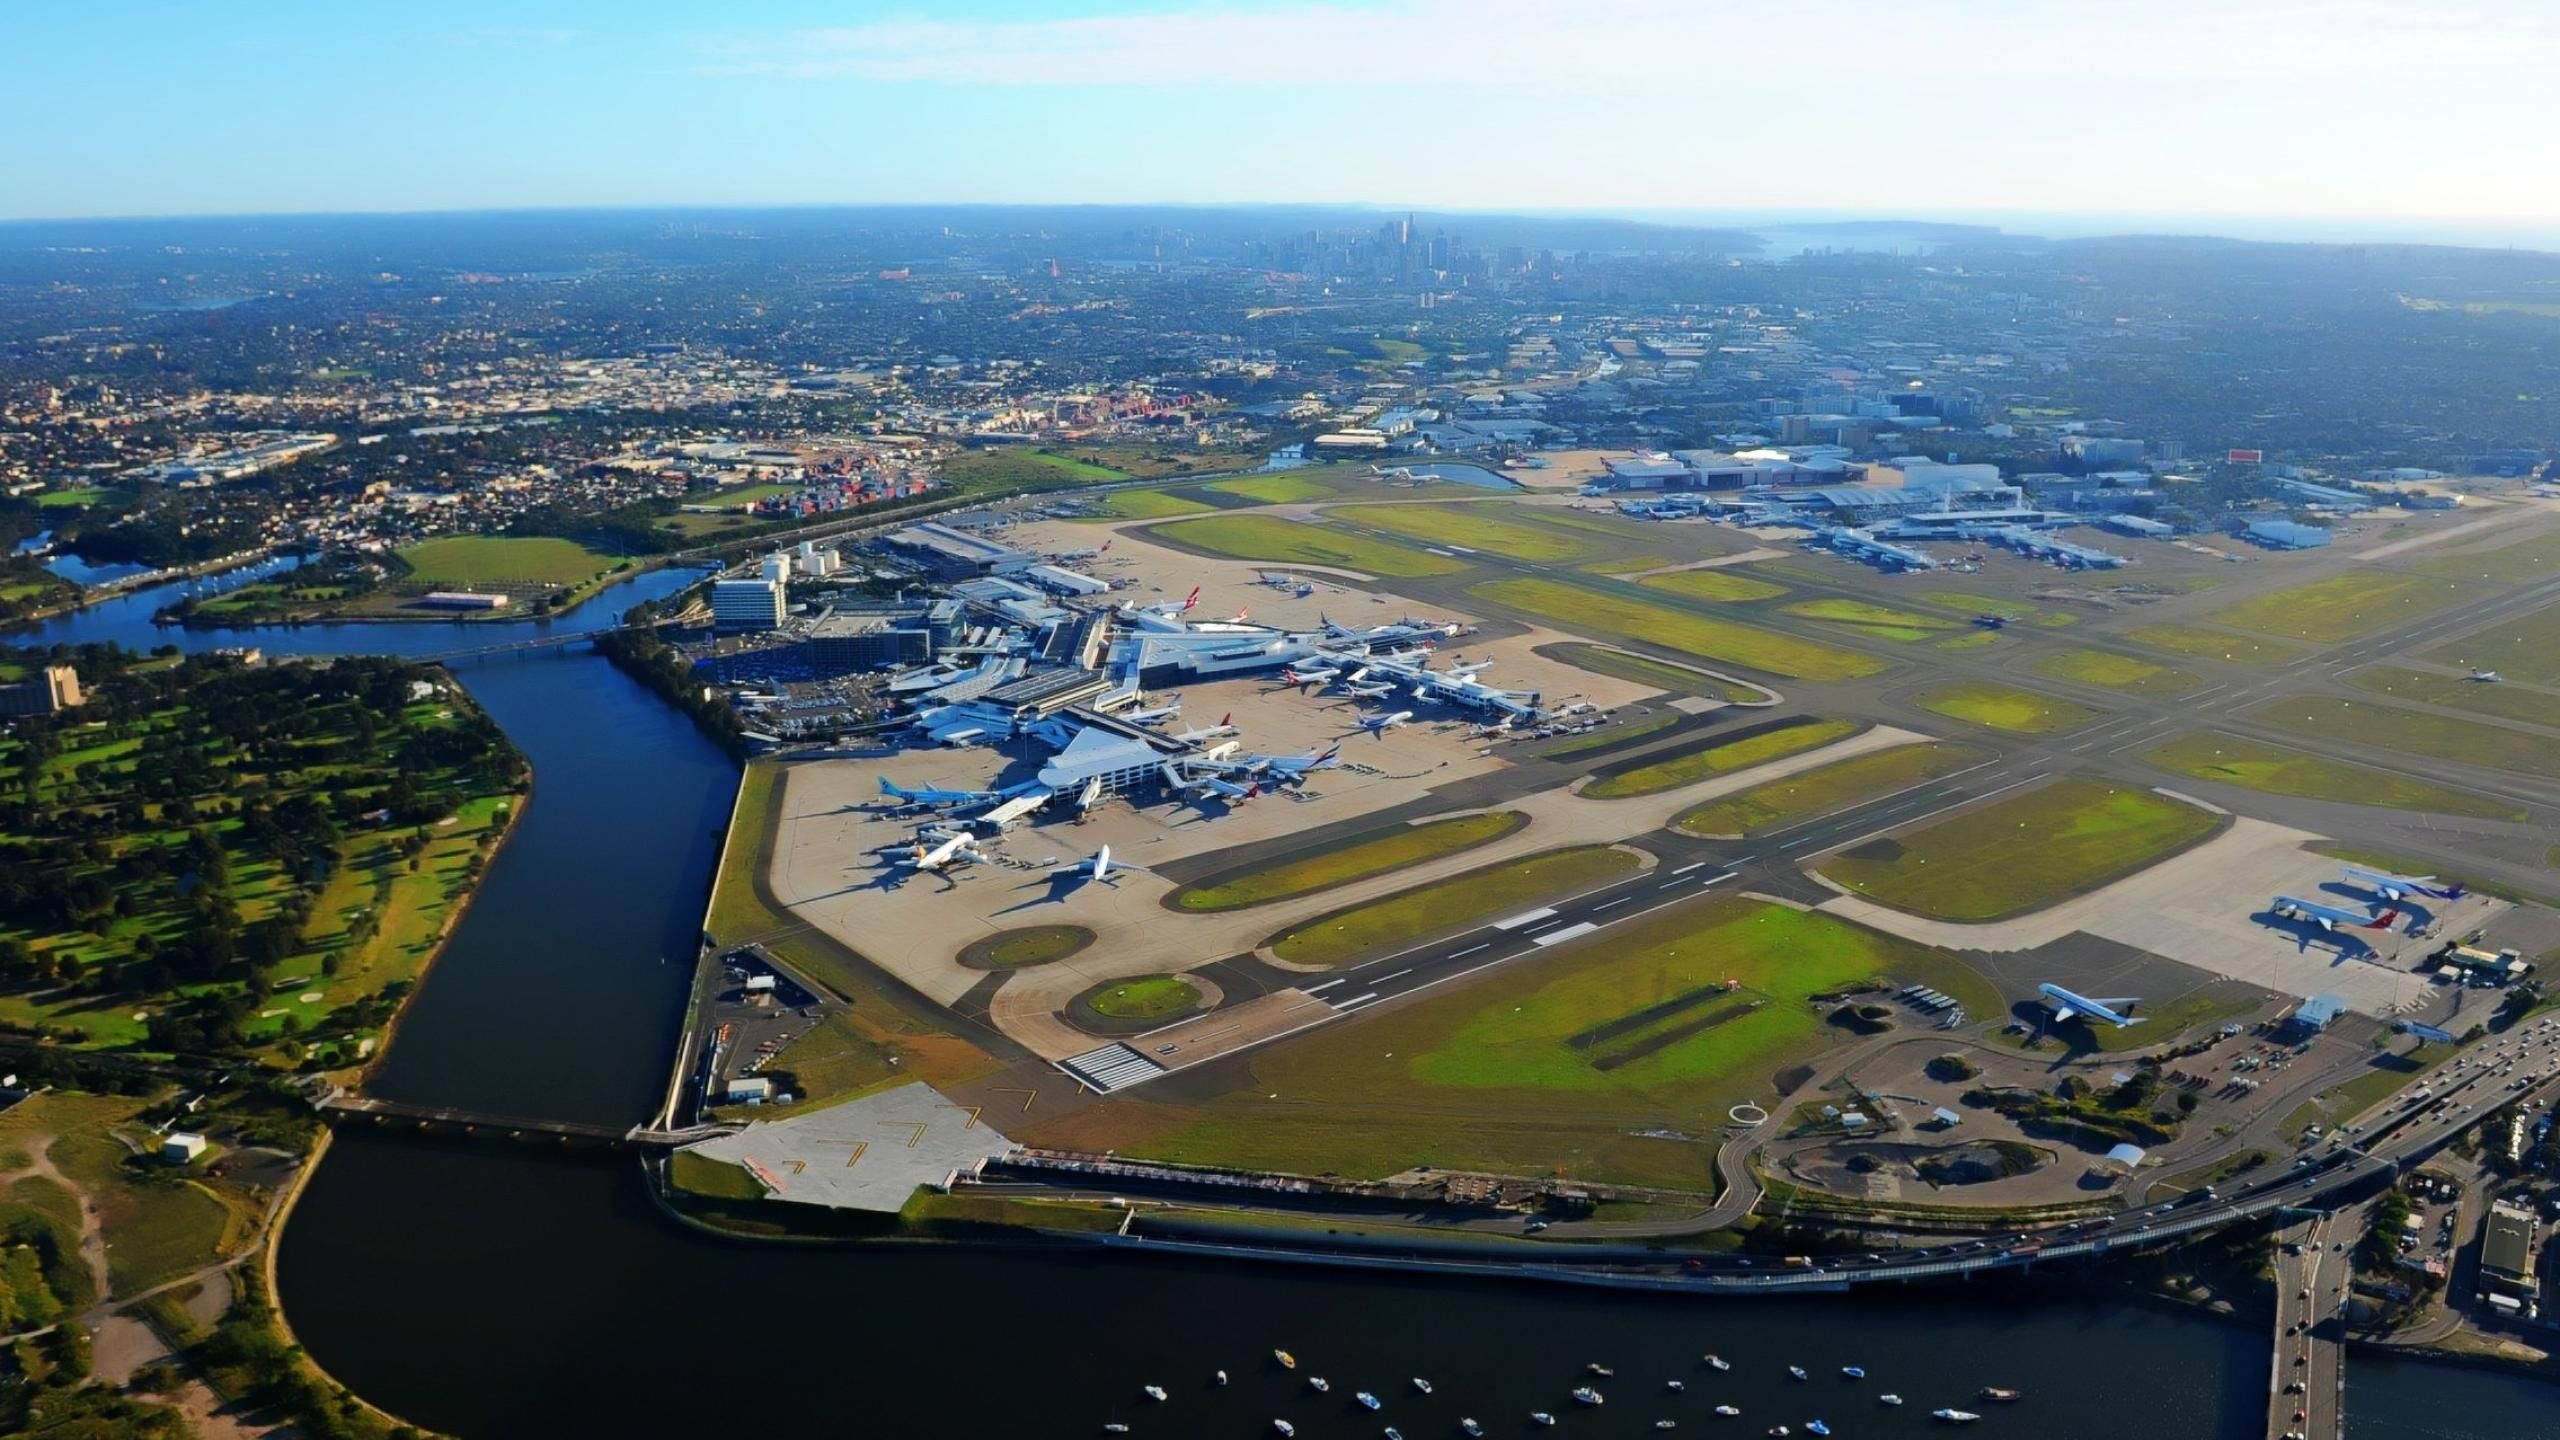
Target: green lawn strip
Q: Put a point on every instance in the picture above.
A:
(2525, 649)
(1269, 537)
(2205, 644)
(1472, 527)
(717, 1179)
(2506, 565)
(461, 562)
(888, 1037)
(1826, 788)
(2255, 765)
(1716, 587)
(2460, 692)
(1355, 860)
(1577, 608)
(1145, 505)
(1445, 906)
(1645, 670)
(1882, 622)
(1553, 1063)
(2115, 671)
(1672, 772)
(2156, 1024)
(2341, 607)
(2416, 732)
(1280, 489)
(1021, 468)
(1144, 997)
(2022, 852)
(2388, 1072)
(1026, 947)
(1606, 735)
(2001, 707)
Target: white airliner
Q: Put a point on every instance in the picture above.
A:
(2066, 1005)
(1379, 725)
(1175, 607)
(2401, 887)
(1099, 866)
(1379, 691)
(2330, 917)
(1156, 716)
(2486, 677)
(1225, 727)
(958, 850)
(1311, 675)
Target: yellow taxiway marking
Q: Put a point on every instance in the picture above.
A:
(858, 1147)
(1027, 1097)
(913, 1140)
(973, 1117)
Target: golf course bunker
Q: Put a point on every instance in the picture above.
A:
(1357, 858)
(1713, 753)
(1023, 948)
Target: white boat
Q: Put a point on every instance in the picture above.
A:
(1155, 1392)
(1954, 1417)
(1468, 1424)
(1115, 1428)
(1287, 1360)
(1284, 1427)
(1676, 1386)
(1666, 1424)
(1421, 1384)
(1394, 1434)
(1728, 1411)
(1603, 1371)
(1719, 1362)
(1541, 1417)
(1588, 1396)
(1777, 1429)
(1817, 1427)
(1854, 1372)
(1889, 1399)
(1319, 1384)
(1367, 1400)
(1797, 1371)
(1222, 1377)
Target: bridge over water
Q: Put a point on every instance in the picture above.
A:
(341, 1108)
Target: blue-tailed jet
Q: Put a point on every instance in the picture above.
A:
(2401, 887)
(2066, 1005)
(2331, 917)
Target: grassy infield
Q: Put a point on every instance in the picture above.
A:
(2021, 853)
(1674, 771)
(1395, 849)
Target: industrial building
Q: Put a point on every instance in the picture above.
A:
(741, 607)
(838, 643)
(952, 551)
(2284, 535)
(2507, 1243)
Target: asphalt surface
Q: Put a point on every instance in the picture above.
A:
(2307, 1368)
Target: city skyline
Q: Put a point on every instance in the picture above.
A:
(2366, 121)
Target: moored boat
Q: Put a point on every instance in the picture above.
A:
(1155, 1392)
(1596, 1368)
(1888, 1399)
(1954, 1416)
(1287, 1360)
(1796, 1371)
(1367, 1400)
(1817, 1427)
(1718, 1362)
(1319, 1384)
(1541, 1417)
(1284, 1427)
(1998, 1392)
(1728, 1411)
(1468, 1424)
(1421, 1384)
(1589, 1396)
(1854, 1372)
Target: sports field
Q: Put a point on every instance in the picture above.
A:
(1145, 505)
(1573, 607)
(2206, 644)
(2460, 692)
(2526, 649)
(1716, 587)
(1998, 707)
(2465, 742)
(1470, 526)
(2022, 852)
(2254, 765)
(462, 561)
(1269, 537)
(1274, 489)
(1363, 857)
(2342, 607)
(1547, 1065)
(1453, 904)
(2115, 671)
(1881, 622)
(1718, 758)
(1826, 788)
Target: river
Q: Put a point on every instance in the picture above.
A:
(501, 1292)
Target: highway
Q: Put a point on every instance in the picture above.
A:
(2306, 1375)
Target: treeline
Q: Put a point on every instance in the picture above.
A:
(644, 657)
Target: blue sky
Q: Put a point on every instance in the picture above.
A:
(2393, 118)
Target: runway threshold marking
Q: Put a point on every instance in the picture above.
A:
(1329, 984)
(1685, 869)
(1525, 917)
(1570, 932)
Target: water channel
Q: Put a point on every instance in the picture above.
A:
(494, 1292)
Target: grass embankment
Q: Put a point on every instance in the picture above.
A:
(2461, 692)
(2020, 853)
(1881, 622)
(2254, 765)
(1145, 505)
(1023, 468)
(1645, 670)
(2115, 671)
(1457, 903)
(1715, 757)
(1281, 489)
(2441, 737)
(2525, 649)
(1269, 537)
(2344, 606)
(1716, 587)
(1355, 860)
(1576, 608)
(1021, 949)
(243, 861)
(1557, 1063)
(1472, 527)
(2384, 1075)
(1826, 788)
(886, 1037)
(2205, 644)
(2001, 707)
(1145, 997)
